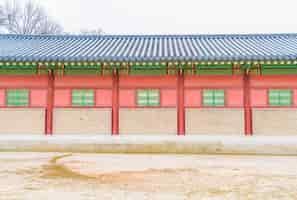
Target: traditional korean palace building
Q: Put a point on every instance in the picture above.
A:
(154, 84)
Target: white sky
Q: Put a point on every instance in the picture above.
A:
(175, 16)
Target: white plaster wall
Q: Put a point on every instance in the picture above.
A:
(22, 120)
(210, 121)
(82, 121)
(148, 121)
(275, 121)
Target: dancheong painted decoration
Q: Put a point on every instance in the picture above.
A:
(149, 84)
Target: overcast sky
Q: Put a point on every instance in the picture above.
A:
(175, 16)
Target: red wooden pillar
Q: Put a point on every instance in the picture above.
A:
(180, 103)
(248, 118)
(115, 102)
(50, 103)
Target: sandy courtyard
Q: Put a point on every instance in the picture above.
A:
(25, 176)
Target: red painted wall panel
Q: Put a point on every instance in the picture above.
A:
(258, 97)
(213, 81)
(2, 97)
(167, 85)
(277, 81)
(103, 97)
(38, 97)
(62, 97)
(127, 98)
(19, 81)
(147, 81)
(295, 97)
(192, 97)
(83, 82)
(168, 97)
(234, 97)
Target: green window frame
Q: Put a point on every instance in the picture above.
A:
(280, 97)
(148, 97)
(213, 97)
(17, 97)
(83, 97)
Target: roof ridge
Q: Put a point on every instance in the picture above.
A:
(157, 36)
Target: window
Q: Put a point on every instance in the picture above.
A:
(148, 97)
(280, 97)
(82, 97)
(213, 98)
(17, 97)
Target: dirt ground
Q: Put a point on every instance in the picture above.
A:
(26, 176)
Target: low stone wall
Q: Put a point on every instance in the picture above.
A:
(148, 121)
(200, 144)
(82, 121)
(22, 120)
(214, 121)
(275, 121)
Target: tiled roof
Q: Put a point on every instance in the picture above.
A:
(148, 47)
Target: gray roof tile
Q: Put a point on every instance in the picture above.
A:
(148, 47)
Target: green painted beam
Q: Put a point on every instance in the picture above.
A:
(285, 66)
(149, 64)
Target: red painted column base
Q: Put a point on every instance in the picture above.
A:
(248, 121)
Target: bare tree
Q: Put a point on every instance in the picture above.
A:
(2, 18)
(28, 18)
